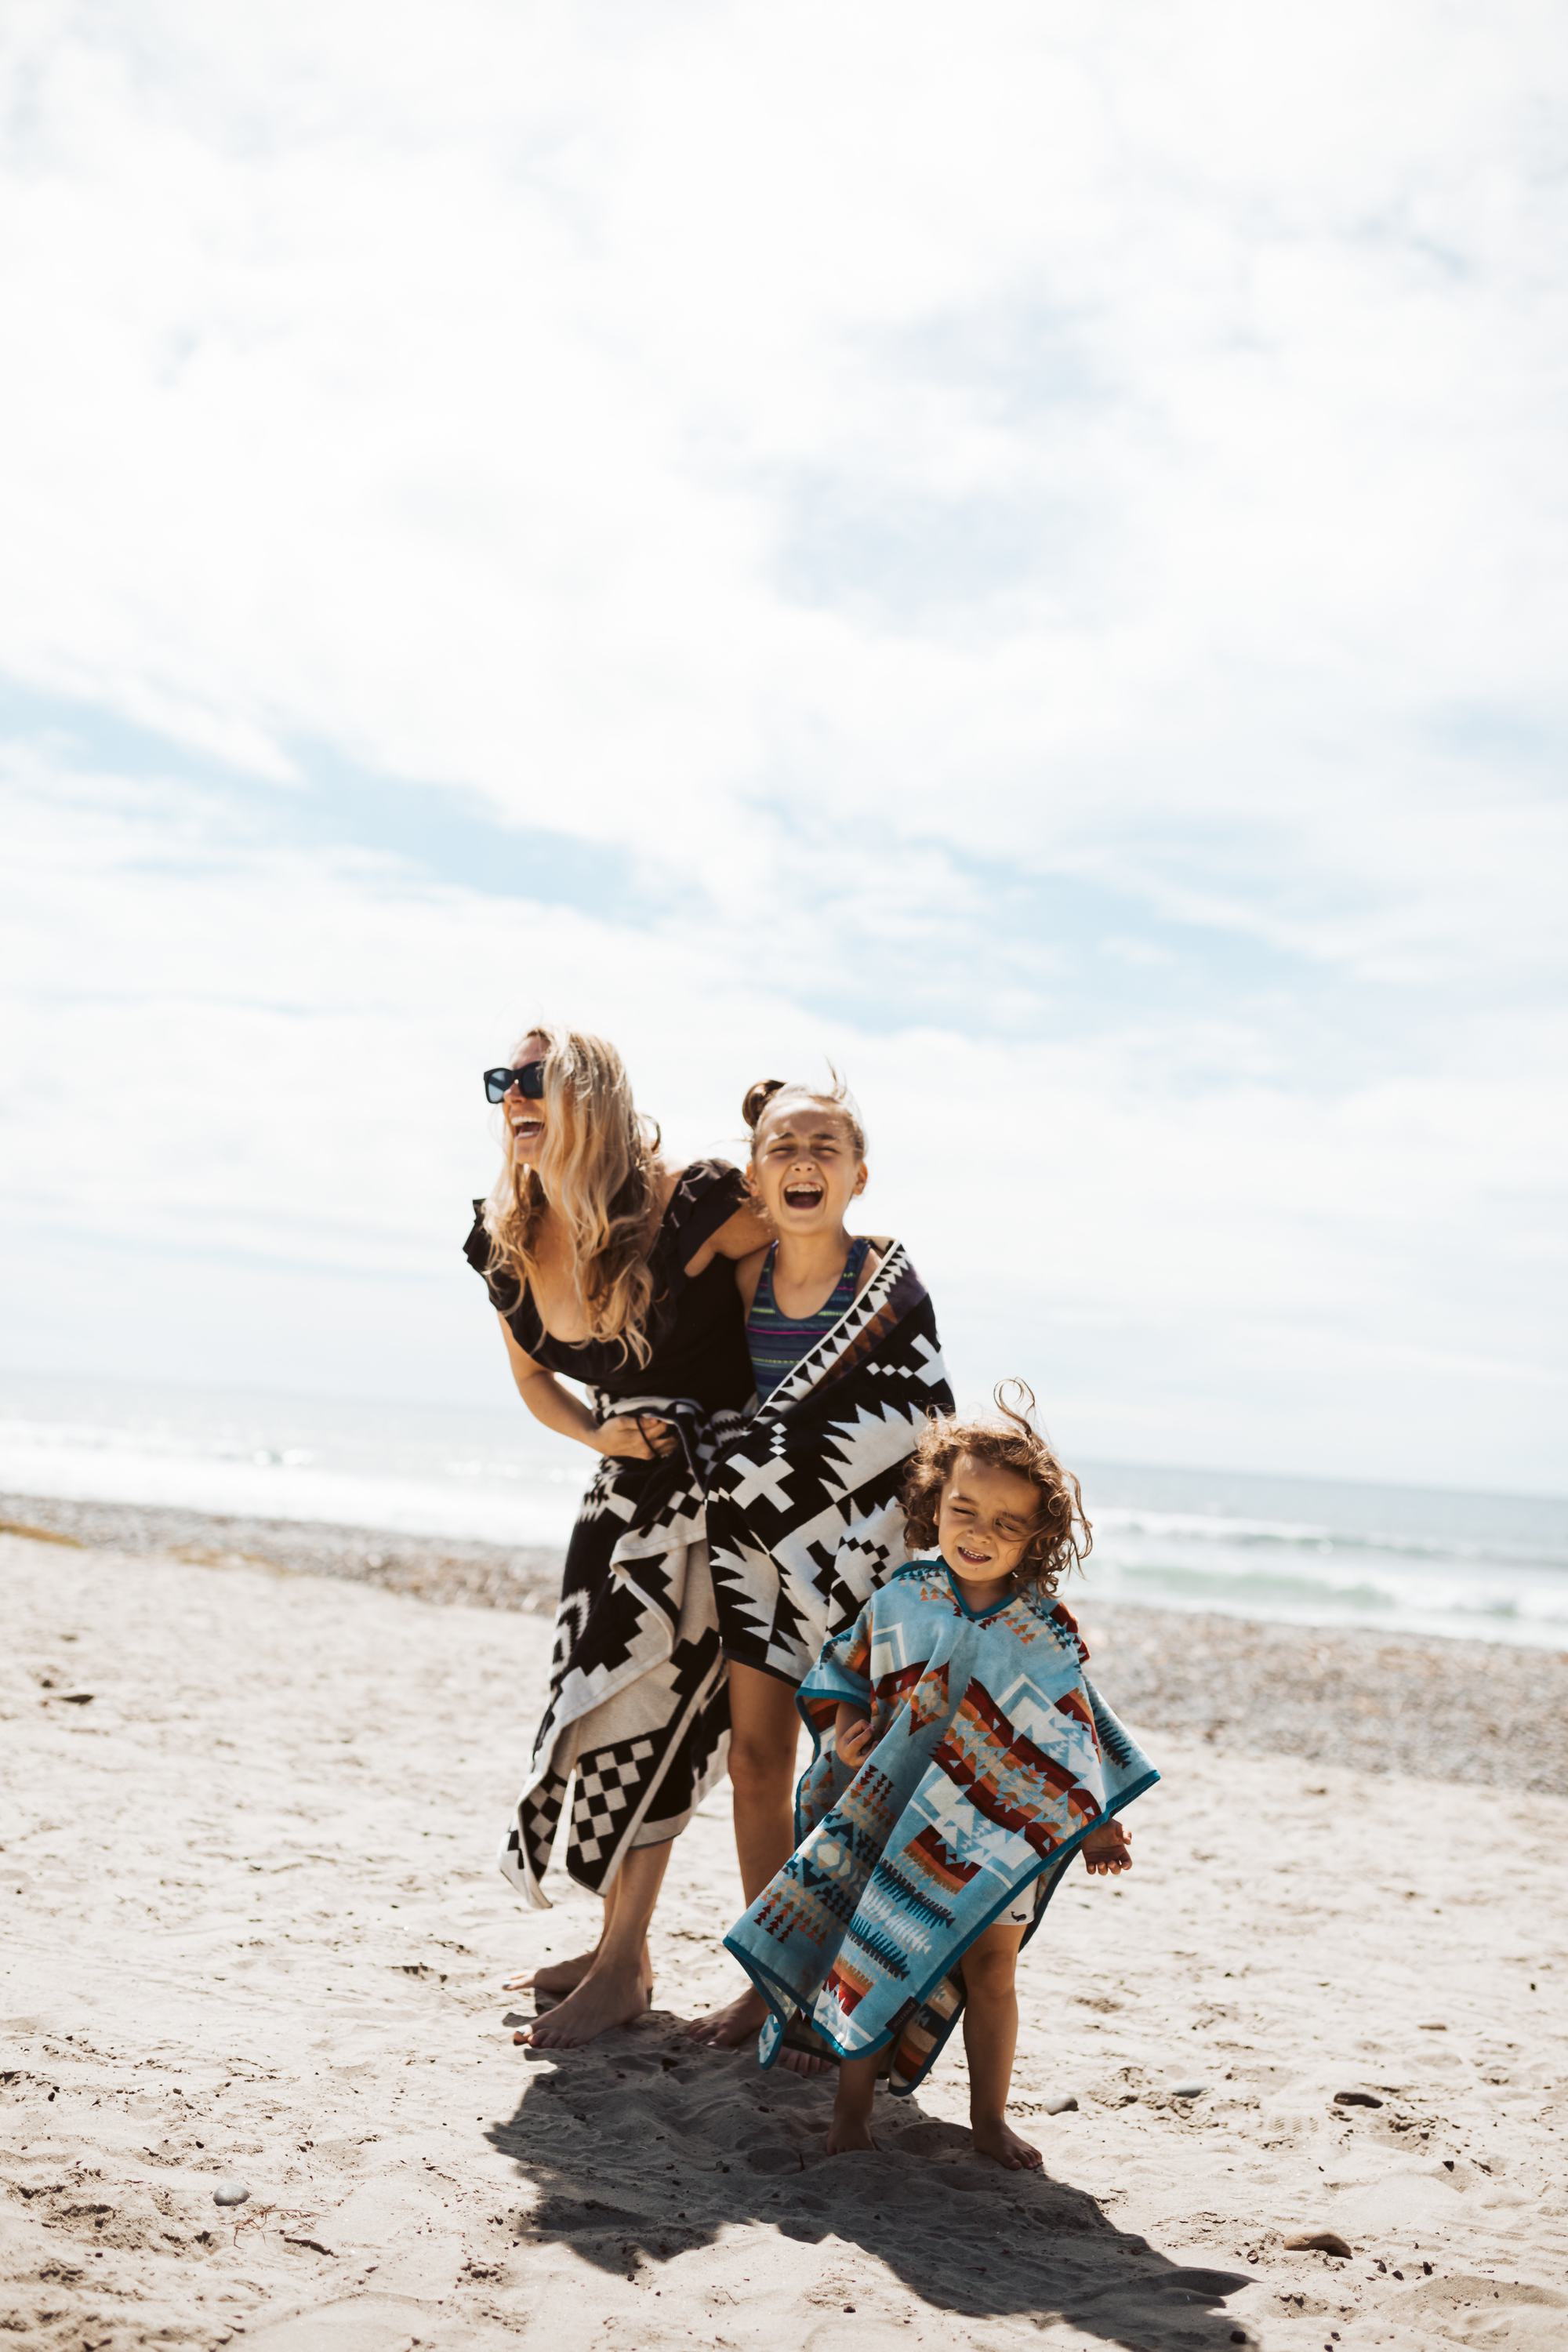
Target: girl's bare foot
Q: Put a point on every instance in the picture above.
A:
(607, 1996)
(558, 1978)
(851, 2130)
(740, 2020)
(995, 2137)
(731, 2028)
(804, 2062)
(805, 2051)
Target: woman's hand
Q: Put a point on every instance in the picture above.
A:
(853, 1741)
(635, 1437)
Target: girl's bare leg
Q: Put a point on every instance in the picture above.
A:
(851, 2126)
(618, 1986)
(989, 2040)
(763, 1731)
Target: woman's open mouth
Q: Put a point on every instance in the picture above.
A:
(802, 1196)
(527, 1130)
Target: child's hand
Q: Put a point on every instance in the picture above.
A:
(853, 1741)
(1107, 1849)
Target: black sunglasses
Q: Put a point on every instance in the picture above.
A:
(528, 1081)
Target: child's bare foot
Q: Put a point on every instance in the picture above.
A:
(607, 1996)
(851, 2131)
(995, 2137)
(731, 2028)
(849, 2135)
(1108, 1850)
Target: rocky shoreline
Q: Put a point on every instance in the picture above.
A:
(1480, 1713)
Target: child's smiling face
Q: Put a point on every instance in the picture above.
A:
(985, 1520)
(806, 1170)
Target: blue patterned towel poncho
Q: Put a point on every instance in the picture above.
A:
(992, 1759)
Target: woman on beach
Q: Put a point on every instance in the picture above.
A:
(804, 1513)
(612, 1269)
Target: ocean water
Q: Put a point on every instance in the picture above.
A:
(1301, 1550)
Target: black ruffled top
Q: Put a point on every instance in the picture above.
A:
(696, 1328)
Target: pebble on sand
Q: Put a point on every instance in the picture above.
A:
(1067, 2104)
(1356, 2099)
(230, 2192)
(1188, 2090)
(1320, 2241)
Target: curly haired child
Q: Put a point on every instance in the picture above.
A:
(964, 1758)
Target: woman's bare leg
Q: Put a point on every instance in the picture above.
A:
(618, 1986)
(989, 2040)
(559, 1977)
(764, 1727)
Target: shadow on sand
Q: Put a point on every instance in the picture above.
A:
(643, 2149)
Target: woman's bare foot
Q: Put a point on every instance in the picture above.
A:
(731, 2028)
(555, 1977)
(607, 1996)
(995, 2137)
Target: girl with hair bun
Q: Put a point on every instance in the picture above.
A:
(608, 1267)
(804, 1519)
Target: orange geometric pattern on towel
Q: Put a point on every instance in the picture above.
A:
(920, 2030)
(925, 1689)
(887, 1689)
(929, 1852)
(820, 1713)
(847, 1985)
(797, 1910)
(867, 1804)
(1074, 1703)
(990, 1757)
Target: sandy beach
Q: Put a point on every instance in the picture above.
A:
(255, 1936)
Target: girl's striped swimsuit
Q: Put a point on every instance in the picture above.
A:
(776, 1342)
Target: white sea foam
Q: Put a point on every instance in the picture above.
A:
(1304, 1551)
(363, 1467)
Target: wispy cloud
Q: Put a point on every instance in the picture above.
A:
(1028, 562)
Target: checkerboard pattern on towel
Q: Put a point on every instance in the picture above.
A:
(803, 1516)
(994, 1757)
(638, 1721)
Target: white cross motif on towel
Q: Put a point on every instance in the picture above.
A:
(760, 1478)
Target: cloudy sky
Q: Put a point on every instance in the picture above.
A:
(1021, 548)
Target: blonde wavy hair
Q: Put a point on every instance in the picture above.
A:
(599, 1172)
